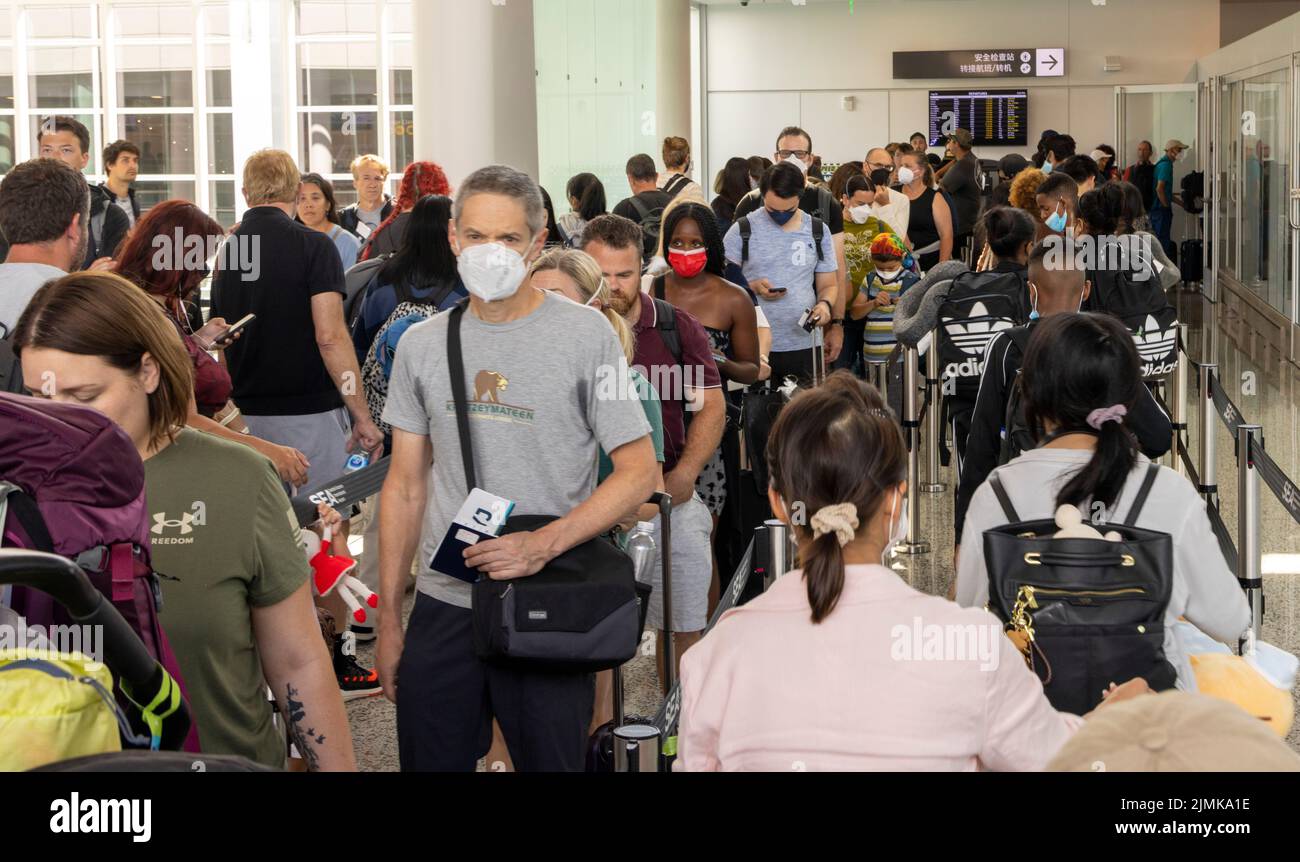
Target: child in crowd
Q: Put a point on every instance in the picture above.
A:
(877, 299)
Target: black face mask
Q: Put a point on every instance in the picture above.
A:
(880, 176)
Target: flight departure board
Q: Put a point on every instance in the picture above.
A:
(995, 118)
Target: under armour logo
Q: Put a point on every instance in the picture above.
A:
(185, 523)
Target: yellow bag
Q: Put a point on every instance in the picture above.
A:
(54, 707)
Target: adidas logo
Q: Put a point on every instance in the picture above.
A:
(974, 338)
(1153, 343)
(185, 523)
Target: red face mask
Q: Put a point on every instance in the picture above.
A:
(688, 264)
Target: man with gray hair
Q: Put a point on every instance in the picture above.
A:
(533, 361)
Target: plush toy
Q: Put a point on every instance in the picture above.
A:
(1070, 522)
(332, 572)
(1231, 678)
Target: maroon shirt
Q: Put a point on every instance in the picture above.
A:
(657, 364)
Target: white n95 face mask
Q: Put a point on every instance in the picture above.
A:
(905, 175)
(798, 163)
(860, 214)
(491, 271)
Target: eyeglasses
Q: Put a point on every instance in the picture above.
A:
(798, 154)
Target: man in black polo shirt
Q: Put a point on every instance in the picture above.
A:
(646, 206)
(294, 368)
(794, 145)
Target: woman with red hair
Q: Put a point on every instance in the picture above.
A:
(167, 254)
(420, 179)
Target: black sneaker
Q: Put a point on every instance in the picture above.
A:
(355, 681)
(364, 634)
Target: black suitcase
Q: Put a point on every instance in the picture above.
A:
(1190, 264)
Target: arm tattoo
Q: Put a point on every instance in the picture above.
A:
(305, 741)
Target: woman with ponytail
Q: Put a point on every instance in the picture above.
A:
(1079, 382)
(830, 668)
(586, 194)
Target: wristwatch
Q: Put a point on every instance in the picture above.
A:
(839, 321)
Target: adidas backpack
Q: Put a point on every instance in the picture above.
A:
(1131, 291)
(979, 306)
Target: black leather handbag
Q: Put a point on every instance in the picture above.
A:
(1084, 612)
(579, 614)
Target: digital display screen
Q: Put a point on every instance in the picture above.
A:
(995, 118)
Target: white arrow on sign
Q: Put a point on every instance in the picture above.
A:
(1051, 63)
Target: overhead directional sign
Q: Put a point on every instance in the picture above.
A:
(1050, 62)
(981, 63)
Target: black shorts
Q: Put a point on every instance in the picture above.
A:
(447, 698)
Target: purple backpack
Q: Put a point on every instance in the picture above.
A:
(72, 483)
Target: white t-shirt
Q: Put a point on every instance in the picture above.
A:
(18, 284)
(1205, 590)
(896, 213)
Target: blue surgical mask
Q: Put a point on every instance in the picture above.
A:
(782, 218)
(1034, 315)
(1047, 167)
(1056, 222)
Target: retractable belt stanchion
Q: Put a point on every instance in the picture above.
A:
(1178, 399)
(1248, 547)
(778, 552)
(912, 429)
(1208, 468)
(933, 418)
(636, 748)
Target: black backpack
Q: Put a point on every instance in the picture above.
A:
(1141, 305)
(1084, 612)
(1192, 187)
(11, 370)
(676, 185)
(651, 223)
(1017, 436)
(978, 307)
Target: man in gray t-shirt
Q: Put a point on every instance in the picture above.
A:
(542, 380)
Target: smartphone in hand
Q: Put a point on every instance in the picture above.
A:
(227, 338)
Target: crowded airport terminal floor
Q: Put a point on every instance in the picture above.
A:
(549, 386)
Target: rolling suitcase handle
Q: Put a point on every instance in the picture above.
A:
(665, 504)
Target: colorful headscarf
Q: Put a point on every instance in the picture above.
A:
(888, 246)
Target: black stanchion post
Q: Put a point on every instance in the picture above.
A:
(1208, 467)
(1248, 547)
(933, 418)
(912, 427)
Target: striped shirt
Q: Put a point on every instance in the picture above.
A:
(879, 342)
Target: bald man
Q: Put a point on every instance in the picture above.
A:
(891, 207)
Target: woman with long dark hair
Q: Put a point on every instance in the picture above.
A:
(423, 271)
(821, 673)
(166, 254)
(318, 210)
(1080, 381)
(586, 194)
(732, 185)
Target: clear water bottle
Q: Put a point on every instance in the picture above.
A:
(641, 548)
(358, 461)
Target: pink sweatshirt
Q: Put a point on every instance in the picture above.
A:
(892, 680)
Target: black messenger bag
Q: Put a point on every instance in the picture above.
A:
(579, 614)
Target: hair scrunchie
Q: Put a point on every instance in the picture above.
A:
(840, 519)
(1101, 416)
